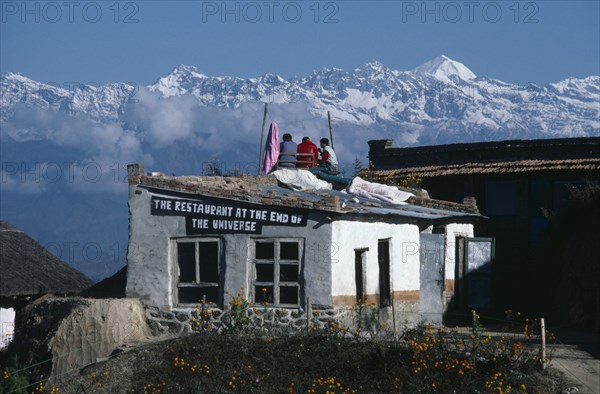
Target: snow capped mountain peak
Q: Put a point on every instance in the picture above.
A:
(272, 79)
(14, 79)
(588, 88)
(442, 67)
(323, 74)
(181, 80)
(373, 65)
(373, 71)
(373, 68)
(442, 94)
(185, 69)
(15, 76)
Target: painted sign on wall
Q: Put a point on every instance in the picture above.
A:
(208, 217)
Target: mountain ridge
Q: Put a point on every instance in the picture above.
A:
(441, 93)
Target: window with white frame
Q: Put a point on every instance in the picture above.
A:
(198, 264)
(276, 270)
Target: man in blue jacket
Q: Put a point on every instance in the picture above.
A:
(290, 147)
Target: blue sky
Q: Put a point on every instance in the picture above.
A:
(139, 41)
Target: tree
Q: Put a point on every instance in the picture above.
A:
(212, 168)
(357, 166)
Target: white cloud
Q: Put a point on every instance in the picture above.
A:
(174, 135)
(164, 120)
(22, 180)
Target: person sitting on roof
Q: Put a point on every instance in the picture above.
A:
(287, 151)
(328, 159)
(307, 147)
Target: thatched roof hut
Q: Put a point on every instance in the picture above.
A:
(28, 269)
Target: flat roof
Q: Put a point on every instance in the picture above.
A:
(266, 190)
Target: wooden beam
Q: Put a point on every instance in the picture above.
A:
(262, 133)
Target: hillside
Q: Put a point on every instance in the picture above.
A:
(231, 363)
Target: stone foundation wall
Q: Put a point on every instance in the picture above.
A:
(357, 320)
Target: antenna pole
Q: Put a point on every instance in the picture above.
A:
(330, 129)
(262, 133)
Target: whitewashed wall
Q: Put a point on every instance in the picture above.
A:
(454, 230)
(404, 255)
(152, 270)
(7, 326)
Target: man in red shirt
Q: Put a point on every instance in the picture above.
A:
(307, 146)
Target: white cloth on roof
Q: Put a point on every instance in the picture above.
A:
(361, 188)
(298, 179)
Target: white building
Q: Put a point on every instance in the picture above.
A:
(7, 326)
(191, 237)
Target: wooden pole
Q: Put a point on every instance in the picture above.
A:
(202, 322)
(392, 300)
(262, 133)
(308, 314)
(393, 313)
(330, 129)
(543, 329)
(597, 310)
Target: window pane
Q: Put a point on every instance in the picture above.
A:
(265, 250)
(264, 272)
(288, 295)
(193, 295)
(262, 296)
(209, 261)
(186, 258)
(288, 272)
(288, 250)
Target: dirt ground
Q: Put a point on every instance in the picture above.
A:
(577, 355)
